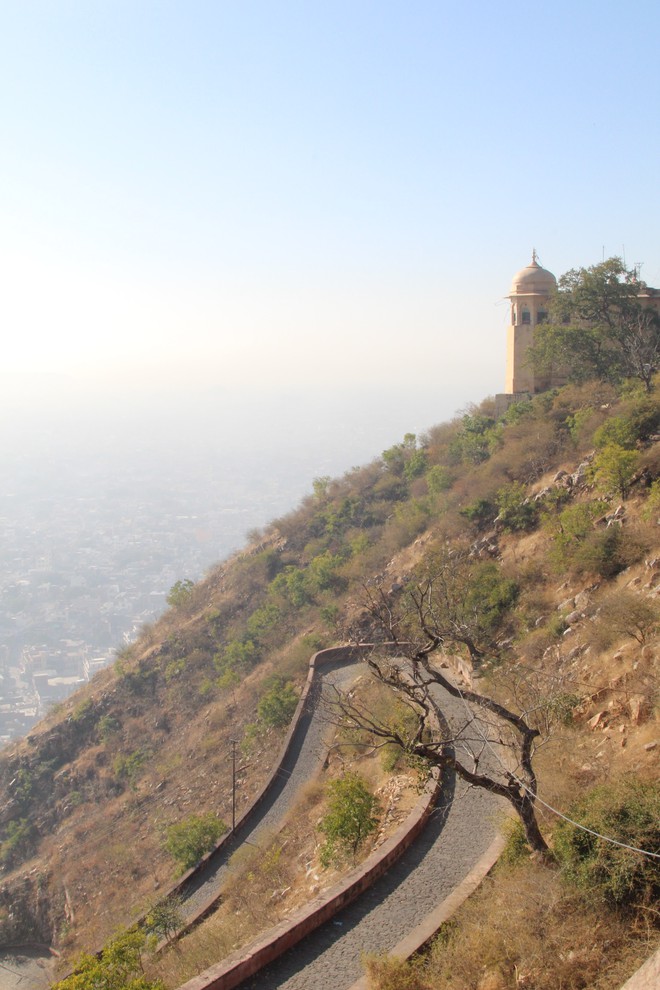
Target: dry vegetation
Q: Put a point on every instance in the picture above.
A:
(85, 801)
(269, 880)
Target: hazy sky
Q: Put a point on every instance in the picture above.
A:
(254, 194)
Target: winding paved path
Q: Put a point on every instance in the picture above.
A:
(460, 830)
(302, 763)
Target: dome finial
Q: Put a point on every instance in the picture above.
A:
(535, 258)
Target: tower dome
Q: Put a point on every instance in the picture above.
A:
(533, 280)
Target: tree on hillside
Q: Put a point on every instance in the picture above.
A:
(614, 468)
(490, 745)
(599, 328)
(468, 600)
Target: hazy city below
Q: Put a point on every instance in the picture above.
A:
(105, 503)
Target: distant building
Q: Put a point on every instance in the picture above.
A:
(529, 296)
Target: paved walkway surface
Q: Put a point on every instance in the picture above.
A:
(303, 762)
(461, 829)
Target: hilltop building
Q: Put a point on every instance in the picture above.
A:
(529, 295)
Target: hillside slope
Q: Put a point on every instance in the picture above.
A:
(560, 495)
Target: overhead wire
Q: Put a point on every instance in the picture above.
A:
(555, 811)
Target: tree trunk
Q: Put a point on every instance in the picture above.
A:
(524, 806)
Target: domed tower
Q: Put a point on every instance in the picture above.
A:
(530, 291)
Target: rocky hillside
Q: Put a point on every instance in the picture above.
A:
(559, 498)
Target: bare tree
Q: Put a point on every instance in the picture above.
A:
(490, 745)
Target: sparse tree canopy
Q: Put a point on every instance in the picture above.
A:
(599, 328)
(464, 600)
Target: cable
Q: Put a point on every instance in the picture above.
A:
(583, 828)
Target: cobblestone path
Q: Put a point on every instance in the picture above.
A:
(459, 832)
(303, 762)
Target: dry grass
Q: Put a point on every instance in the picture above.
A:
(523, 929)
(268, 881)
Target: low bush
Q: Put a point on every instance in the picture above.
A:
(277, 706)
(118, 967)
(129, 767)
(628, 813)
(613, 470)
(350, 818)
(517, 513)
(623, 613)
(188, 840)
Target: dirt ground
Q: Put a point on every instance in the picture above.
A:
(29, 969)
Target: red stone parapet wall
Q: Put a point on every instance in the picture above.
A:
(247, 961)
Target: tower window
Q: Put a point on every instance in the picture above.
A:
(526, 318)
(542, 316)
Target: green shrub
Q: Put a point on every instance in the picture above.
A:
(263, 621)
(251, 735)
(606, 552)
(614, 468)
(108, 726)
(118, 967)
(19, 843)
(475, 439)
(129, 767)
(165, 918)
(292, 585)
(516, 511)
(481, 513)
(516, 848)
(276, 707)
(439, 479)
(628, 812)
(408, 521)
(180, 593)
(618, 430)
(192, 838)
(174, 669)
(350, 818)
(570, 528)
(80, 712)
(651, 511)
(238, 655)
